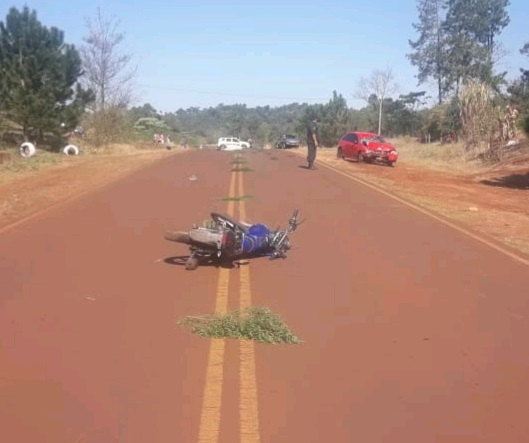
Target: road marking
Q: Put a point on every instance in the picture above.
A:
(248, 405)
(212, 402)
(424, 211)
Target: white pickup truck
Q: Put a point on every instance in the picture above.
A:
(231, 144)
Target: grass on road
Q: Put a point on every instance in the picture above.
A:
(254, 323)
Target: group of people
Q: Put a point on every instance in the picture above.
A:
(161, 138)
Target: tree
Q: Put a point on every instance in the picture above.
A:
(107, 71)
(145, 111)
(38, 76)
(519, 91)
(402, 114)
(380, 84)
(472, 27)
(429, 49)
(334, 119)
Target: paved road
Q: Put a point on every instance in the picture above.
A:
(412, 331)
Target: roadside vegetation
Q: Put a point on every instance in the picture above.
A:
(91, 101)
(258, 324)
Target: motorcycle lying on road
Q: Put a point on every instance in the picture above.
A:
(224, 239)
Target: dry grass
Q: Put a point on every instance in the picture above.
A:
(442, 157)
(19, 167)
(28, 185)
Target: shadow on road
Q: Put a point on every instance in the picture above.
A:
(181, 261)
(513, 181)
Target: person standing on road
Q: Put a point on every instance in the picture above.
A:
(313, 142)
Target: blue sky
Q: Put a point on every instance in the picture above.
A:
(203, 53)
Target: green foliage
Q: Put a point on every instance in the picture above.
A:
(440, 120)
(38, 76)
(151, 124)
(145, 111)
(258, 324)
(334, 119)
(429, 54)
(457, 42)
(519, 89)
(525, 124)
(265, 124)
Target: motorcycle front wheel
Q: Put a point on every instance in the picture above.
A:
(191, 263)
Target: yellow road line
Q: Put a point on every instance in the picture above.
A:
(248, 405)
(497, 247)
(212, 401)
(231, 203)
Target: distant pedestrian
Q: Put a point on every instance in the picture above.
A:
(313, 141)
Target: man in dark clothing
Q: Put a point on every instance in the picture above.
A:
(312, 141)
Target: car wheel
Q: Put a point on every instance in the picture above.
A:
(391, 164)
(361, 157)
(339, 153)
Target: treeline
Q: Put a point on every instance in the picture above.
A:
(265, 124)
(48, 87)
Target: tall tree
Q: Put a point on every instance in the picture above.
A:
(472, 27)
(108, 71)
(429, 49)
(334, 119)
(519, 89)
(38, 75)
(380, 84)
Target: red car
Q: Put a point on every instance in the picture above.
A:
(366, 147)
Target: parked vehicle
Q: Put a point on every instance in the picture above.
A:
(367, 147)
(287, 141)
(231, 144)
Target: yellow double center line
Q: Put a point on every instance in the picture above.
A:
(212, 402)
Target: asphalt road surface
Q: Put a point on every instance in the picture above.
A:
(412, 331)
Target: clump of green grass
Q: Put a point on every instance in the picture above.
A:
(237, 199)
(254, 323)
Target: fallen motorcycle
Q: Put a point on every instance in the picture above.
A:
(224, 239)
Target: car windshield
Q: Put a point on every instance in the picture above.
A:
(290, 136)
